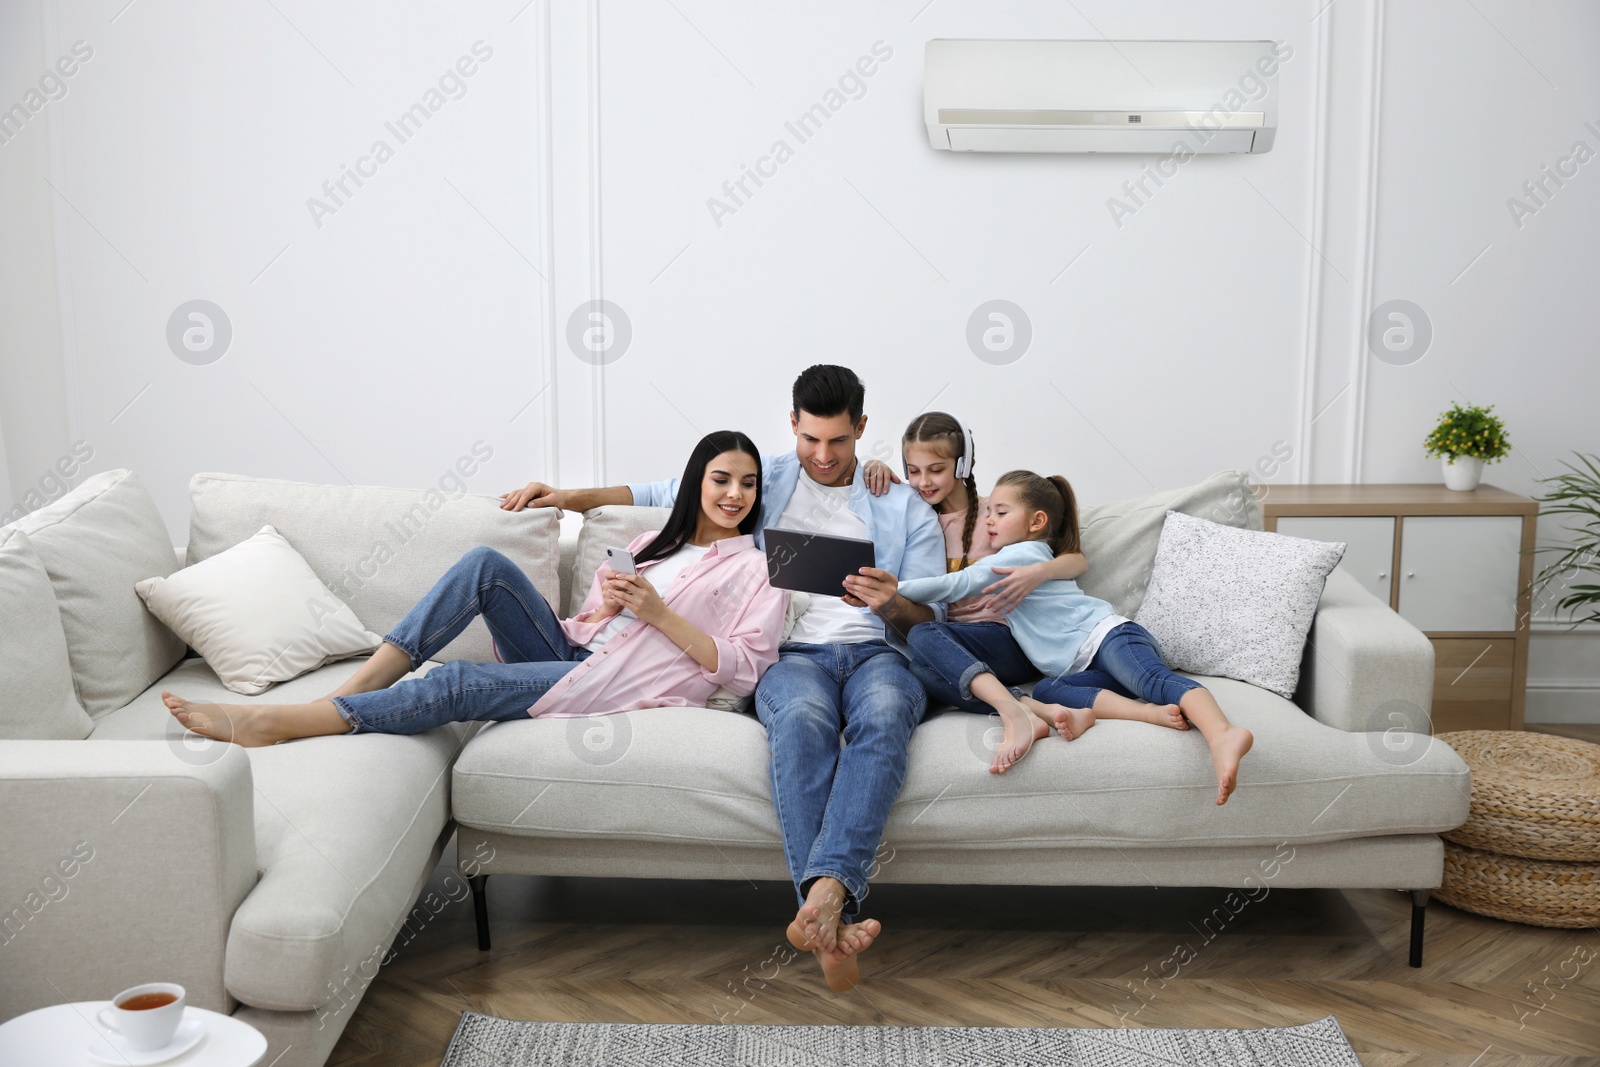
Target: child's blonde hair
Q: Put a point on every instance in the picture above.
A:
(1054, 497)
(938, 427)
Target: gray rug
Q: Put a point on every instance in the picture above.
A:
(484, 1041)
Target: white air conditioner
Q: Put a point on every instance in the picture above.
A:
(1102, 96)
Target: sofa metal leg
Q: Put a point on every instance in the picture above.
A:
(480, 908)
(1419, 910)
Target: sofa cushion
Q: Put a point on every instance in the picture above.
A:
(611, 526)
(345, 826)
(689, 774)
(1120, 538)
(95, 543)
(257, 614)
(378, 549)
(1235, 603)
(37, 701)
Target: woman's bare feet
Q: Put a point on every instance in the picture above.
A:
(221, 722)
(840, 966)
(1227, 750)
(1022, 729)
(256, 725)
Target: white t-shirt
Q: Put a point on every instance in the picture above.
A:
(662, 574)
(817, 508)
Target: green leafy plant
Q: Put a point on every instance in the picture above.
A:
(1576, 492)
(1469, 431)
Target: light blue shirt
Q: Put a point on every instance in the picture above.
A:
(1050, 624)
(907, 539)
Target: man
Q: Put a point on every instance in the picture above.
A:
(839, 672)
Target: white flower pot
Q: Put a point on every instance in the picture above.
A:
(1463, 473)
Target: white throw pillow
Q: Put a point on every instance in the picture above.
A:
(1235, 603)
(257, 614)
(722, 700)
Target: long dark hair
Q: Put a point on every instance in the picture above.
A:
(685, 515)
(932, 426)
(1054, 497)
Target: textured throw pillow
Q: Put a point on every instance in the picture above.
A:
(722, 700)
(37, 701)
(257, 614)
(1235, 603)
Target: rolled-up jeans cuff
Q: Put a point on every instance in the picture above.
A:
(412, 654)
(855, 890)
(346, 714)
(965, 685)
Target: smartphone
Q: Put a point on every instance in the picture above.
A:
(620, 560)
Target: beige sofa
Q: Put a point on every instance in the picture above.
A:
(1339, 791)
(274, 882)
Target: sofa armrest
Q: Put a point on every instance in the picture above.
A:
(124, 863)
(1365, 667)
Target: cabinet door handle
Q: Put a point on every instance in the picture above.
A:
(1411, 574)
(1383, 574)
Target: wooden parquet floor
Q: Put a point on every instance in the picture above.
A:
(1489, 993)
(590, 950)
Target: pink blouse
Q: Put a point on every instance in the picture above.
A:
(725, 594)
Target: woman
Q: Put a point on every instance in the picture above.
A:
(699, 614)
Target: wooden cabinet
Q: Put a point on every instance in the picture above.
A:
(1455, 565)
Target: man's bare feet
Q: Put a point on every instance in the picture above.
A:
(816, 924)
(840, 968)
(1022, 729)
(1226, 752)
(221, 722)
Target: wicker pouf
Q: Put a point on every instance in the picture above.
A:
(1530, 848)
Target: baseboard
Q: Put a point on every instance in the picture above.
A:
(1563, 702)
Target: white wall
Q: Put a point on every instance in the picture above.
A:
(431, 310)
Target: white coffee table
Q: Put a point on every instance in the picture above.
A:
(60, 1036)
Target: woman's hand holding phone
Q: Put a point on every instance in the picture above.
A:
(635, 593)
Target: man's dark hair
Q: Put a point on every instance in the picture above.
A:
(825, 390)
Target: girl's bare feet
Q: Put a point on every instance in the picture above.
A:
(1227, 749)
(1068, 722)
(840, 967)
(1166, 715)
(221, 722)
(1022, 729)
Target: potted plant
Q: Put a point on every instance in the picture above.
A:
(1465, 439)
(1576, 492)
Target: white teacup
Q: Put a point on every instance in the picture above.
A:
(145, 1029)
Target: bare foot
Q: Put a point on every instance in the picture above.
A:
(1226, 752)
(816, 924)
(221, 722)
(1166, 715)
(1021, 731)
(1070, 723)
(840, 968)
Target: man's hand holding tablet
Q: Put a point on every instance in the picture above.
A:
(827, 565)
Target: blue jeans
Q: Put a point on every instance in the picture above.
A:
(832, 803)
(523, 625)
(1128, 662)
(947, 656)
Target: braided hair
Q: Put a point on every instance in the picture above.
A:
(941, 427)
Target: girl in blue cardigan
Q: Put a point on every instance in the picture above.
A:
(1098, 663)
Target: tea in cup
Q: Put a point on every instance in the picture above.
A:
(145, 1016)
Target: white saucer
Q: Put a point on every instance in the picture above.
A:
(113, 1048)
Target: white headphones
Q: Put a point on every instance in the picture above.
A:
(963, 461)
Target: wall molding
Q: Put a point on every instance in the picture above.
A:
(1369, 230)
(1310, 359)
(50, 19)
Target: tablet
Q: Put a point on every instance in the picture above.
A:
(814, 563)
